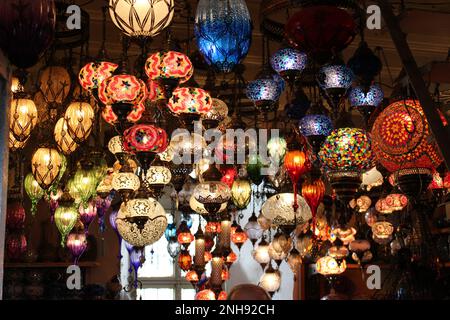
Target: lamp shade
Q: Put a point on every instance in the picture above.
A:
(145, 138)
(347, 149)
(360, 98)
(280, 209)
(66, 216)
(34, 191)
(402, 138)
(122, 88)
(85, 182)
(23, 118)
(296, 163)
(264, 93)
(218, 112)
(45, 166)
(270, 280)
(328, 266)
(141, 18)
(277, 147)
(141, 232)
(335, 77)
(321, 30)
(223, 32)
(169, 65)
(79, 118)
(54, 84)
(315, 125)
(190, 100)
(200, 208)
(158, 175)
(62, 137)
(241, 193)
(27, 30)
(93, 74)
(15, 144)
(288, 62)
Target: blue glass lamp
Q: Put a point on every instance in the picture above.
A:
(335, 80)
(264, 93)
(365, 101)
(288, 63)
(223, 31)
(315, 128)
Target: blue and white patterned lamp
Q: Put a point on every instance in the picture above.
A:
(315, 128)
(264, 93)
(289, 63)
(366, 101)
(335, 80)
(223, 31)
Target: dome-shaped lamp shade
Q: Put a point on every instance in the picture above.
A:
(402, 138)
(62, 137)
(321, 30)
(169, 65)
(190, 100)
(241, 193)
(23, 118)
(27, 30)
(218, 112)
(335, 77)
(45, 166)
(264, 93)
(66, 216)
(365, 101)
(315, 125)
(289, 63)
(280, 209)
(328, 266)
(141, 18)
(223, 31)
(122, 88)
(145, 138)
(93, 74)
(347, 149)
(79, 118)
(169, 69)
(142, 232)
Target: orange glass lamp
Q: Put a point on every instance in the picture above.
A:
(184, 235)
(313, 193)
(238, 237)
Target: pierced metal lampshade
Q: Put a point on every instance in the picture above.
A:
(62, 137)
(141, 18)
(144, 224)
(23, 118)
(45, 166)
(79, 118)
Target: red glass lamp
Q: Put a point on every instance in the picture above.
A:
(93, 74)
(238, 237)
(169, 69)
(146, 141)
(190, 103)
(135, 115)
(122, 92)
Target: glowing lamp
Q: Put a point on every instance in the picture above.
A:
(141, 18)
(289, 63)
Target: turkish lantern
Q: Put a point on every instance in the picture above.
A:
(296, 163)
(45, 166)
(26, 30)
(321, 30)
(313, 193)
